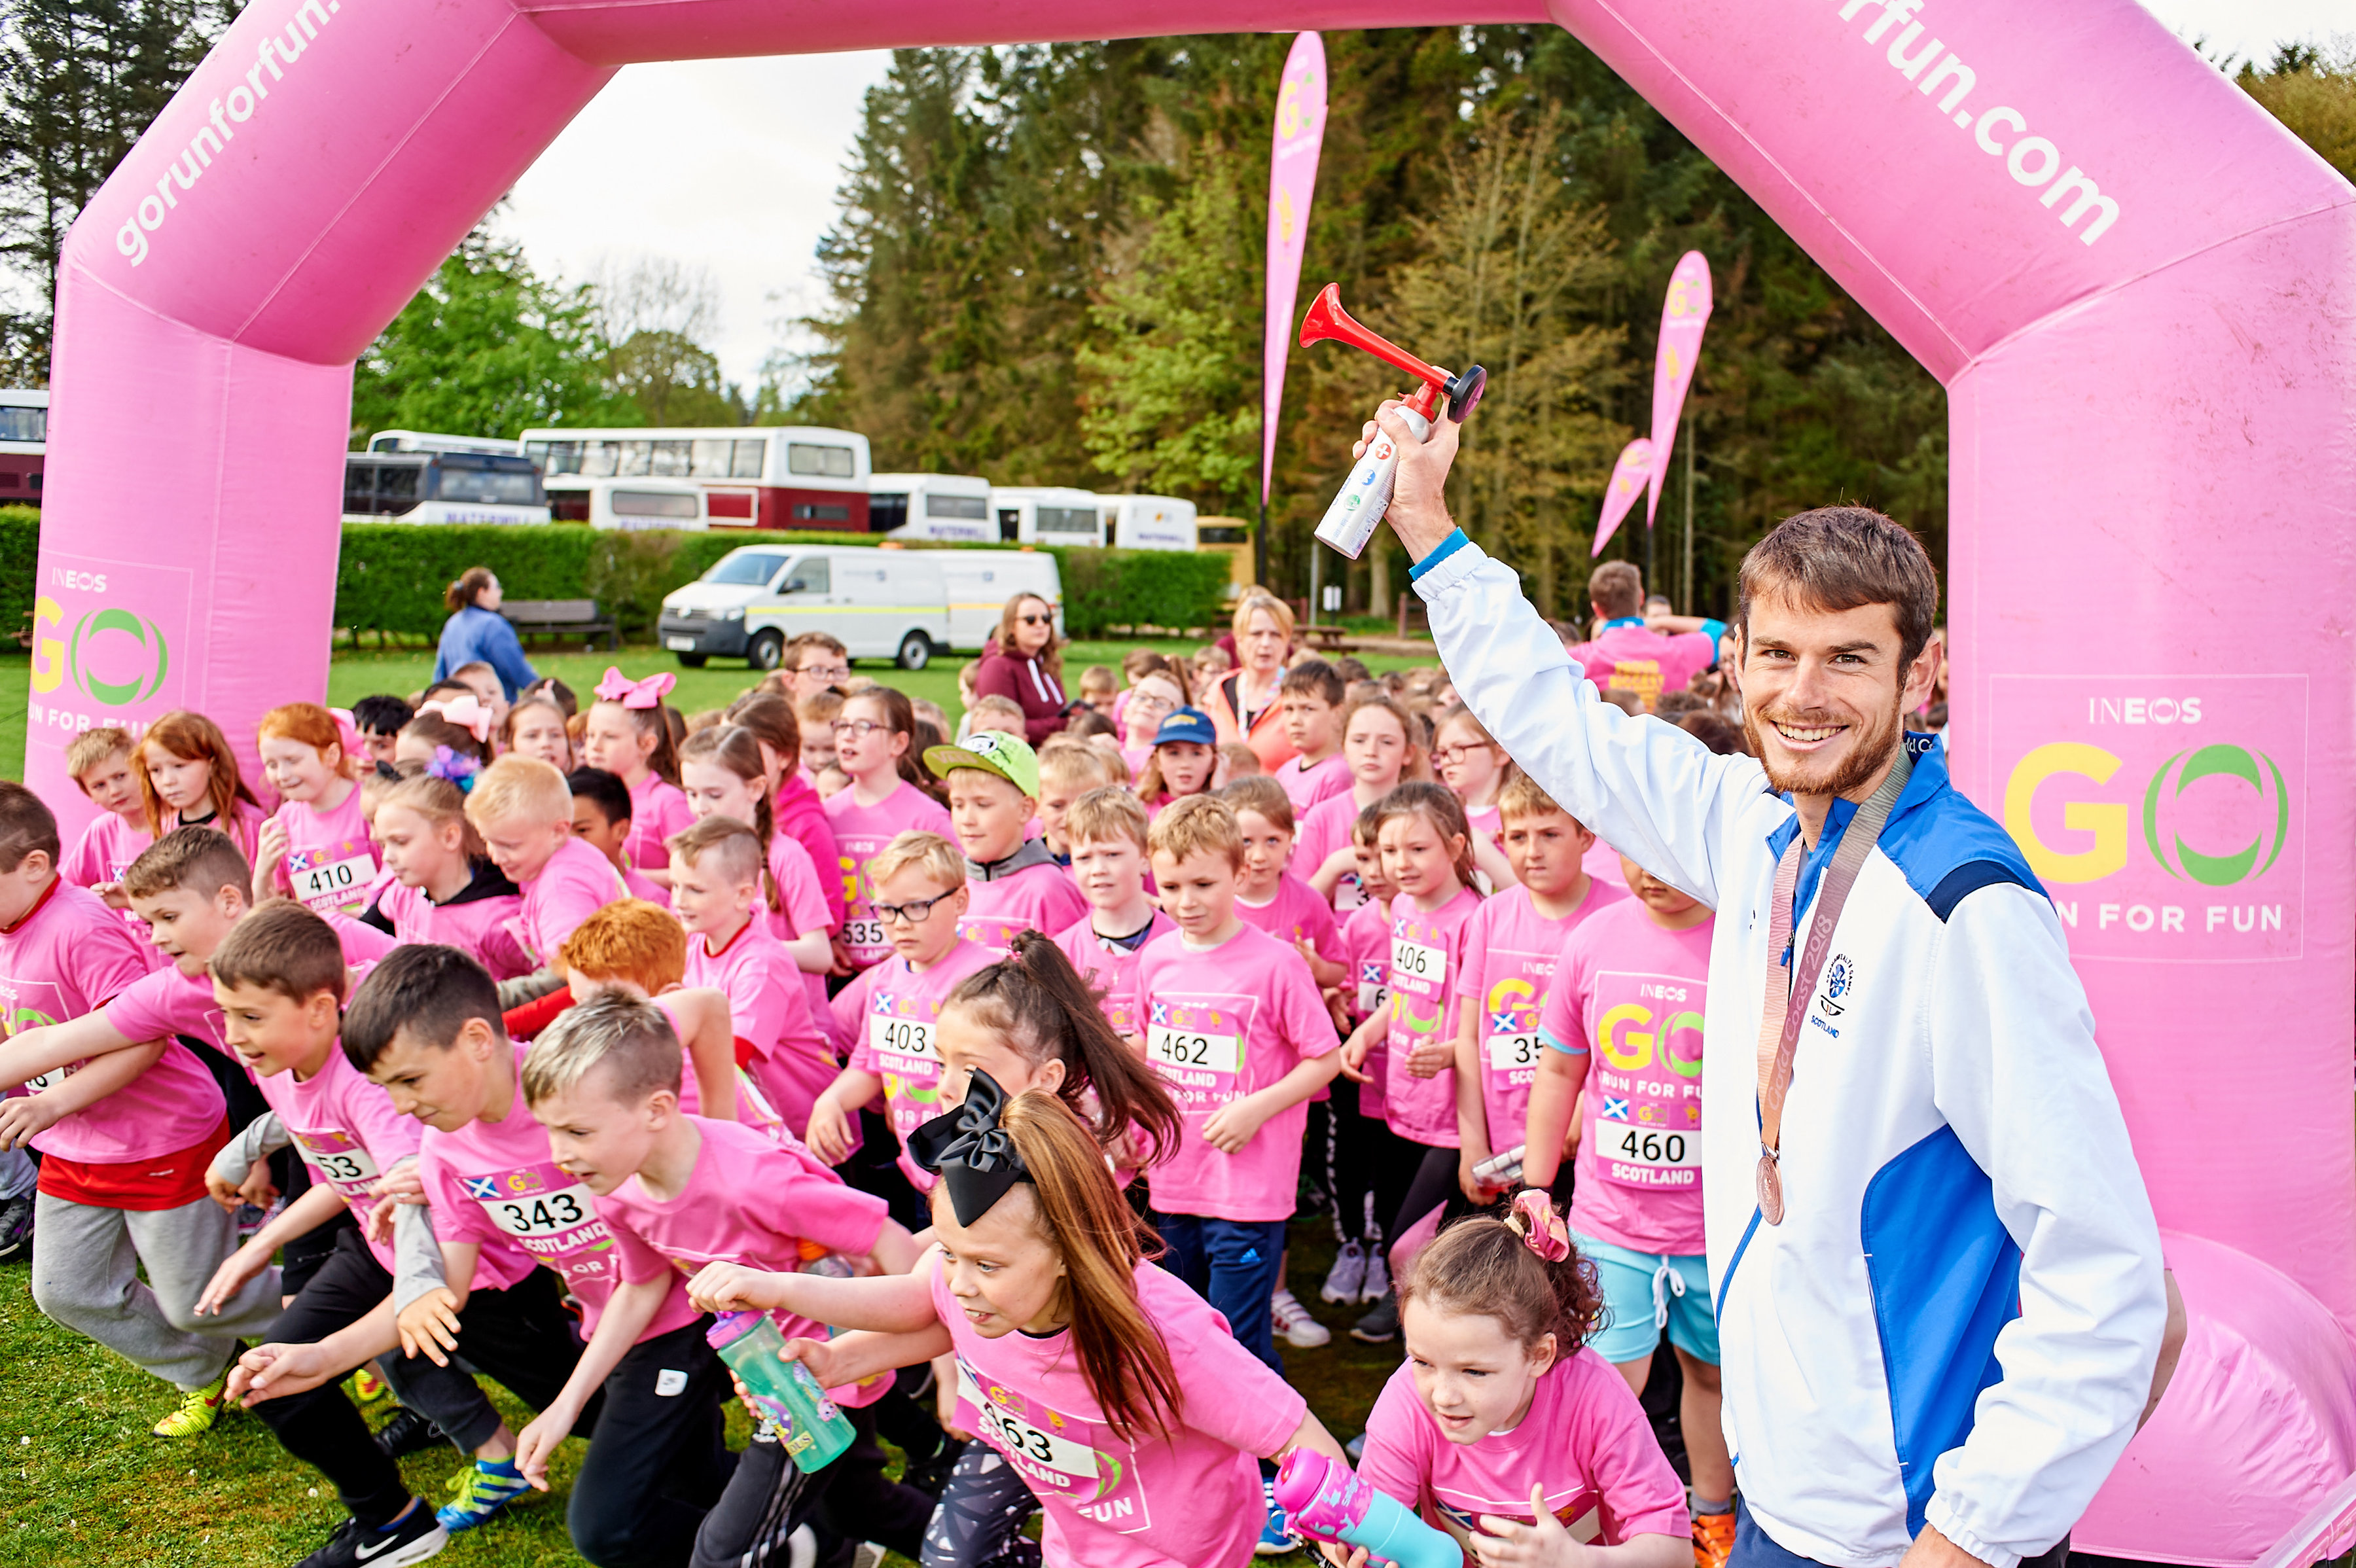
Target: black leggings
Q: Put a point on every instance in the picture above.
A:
(769, 1497)
(1408, 1187)
(980, 1521)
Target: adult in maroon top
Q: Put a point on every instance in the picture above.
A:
(1022, 662)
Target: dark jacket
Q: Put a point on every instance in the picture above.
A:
(1004, 674)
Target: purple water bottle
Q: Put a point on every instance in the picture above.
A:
(814, 1431)
(1326, 1501)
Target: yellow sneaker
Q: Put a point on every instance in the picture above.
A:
(1713, 1539)
(367, 1386)
(197, 1412)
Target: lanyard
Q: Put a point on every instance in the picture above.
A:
(1778, 1021)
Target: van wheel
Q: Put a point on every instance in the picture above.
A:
(916, 651)
(694, 660)
(767, 650)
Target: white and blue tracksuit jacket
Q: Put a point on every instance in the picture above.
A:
(1958, 1318)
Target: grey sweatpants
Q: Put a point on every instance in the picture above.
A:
(86, 1275)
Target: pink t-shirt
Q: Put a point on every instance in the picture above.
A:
(1426, 948)
(885, 1019)
(1313, 784)
(792, 1059)
(1602, 863)
(575, 884)
(1510, 950)
(1628, 658)
(348, 1130)
(1110, 967)
(658, 810)
(803, 894)
(1295, 915)
(1367, 936)
(1324, 828)
(637, 887)
(243, 825)
(482, 927)
(860, 833)
(1584, 1439)
(800, 815)
(494, 1184)
(168, 1002)
(103, 853)
(1630, 996)
(1180, 1500)
(1220, 1024)
(1035, 898)
(331, 862)
(70, 956)
(754, 1202)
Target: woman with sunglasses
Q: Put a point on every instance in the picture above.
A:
(1025, 662)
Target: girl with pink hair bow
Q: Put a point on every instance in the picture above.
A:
(627, 732)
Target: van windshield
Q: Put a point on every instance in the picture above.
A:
(751, 569)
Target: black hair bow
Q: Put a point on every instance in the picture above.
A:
(971, 1153)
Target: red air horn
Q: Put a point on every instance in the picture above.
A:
(1350, 522)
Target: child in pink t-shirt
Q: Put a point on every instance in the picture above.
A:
(626, 734)
(1362, 1141)
(1311, 695)
(1106, 829)
(723, 771)
(1505, 1425)
(1268, 895)
(1013, 883)
(443, 889)
(682, 1195)
(1511, 946)
(1475, 769)
(98, 762)
(1237, 1030)
(715, 868)
(1380, 746)
(1624, 1033)
(872, 738)
(318, 846)
(524, 810)
(1427, 852)
(885, 1019)
(1156, 1470)
(189, 776)
(602, 819)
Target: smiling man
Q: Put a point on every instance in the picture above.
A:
(1935, 1270)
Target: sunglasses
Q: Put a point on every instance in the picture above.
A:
(1033, 620)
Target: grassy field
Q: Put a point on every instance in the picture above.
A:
(81, 1482)
(359, 672)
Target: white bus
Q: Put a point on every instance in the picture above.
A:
(1048, 514)
(950, 507)
(441, 486)
(422, 441)
(634, 505)
(762, 476)
(1148, 522)
(24, 444)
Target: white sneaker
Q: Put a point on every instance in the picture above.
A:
(1293, 1320)
(1348, 1275)
(1378, 1277)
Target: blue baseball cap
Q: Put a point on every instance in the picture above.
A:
(1187, 724)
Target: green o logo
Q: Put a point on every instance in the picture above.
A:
(119, 694)
(2254, 768)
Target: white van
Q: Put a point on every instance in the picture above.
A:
(1047, 514)
(941, 508)
(881, 602)
(1148, 522)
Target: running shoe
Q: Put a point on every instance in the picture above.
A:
(368, 1387)
(407, 1432)
(1378, 1277)
(478, 1492)
(1293, 1320)
(16, 1228)
(1713, 1539)
(1379, 1326)
(412, 1537)
(1347, 1277)
(197, 1411)
(1276, 1536)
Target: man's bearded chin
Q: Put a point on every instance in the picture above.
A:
(1868, 752)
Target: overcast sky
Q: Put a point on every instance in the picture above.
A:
(731, 165)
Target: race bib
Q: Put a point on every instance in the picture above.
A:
(51, 1078)
(1507, 1052)
(1185, 1051)
(338, 885)
(542, 1213)
(339, 1158)
(1033, 1446)
(910, 1039)
(1418, 969)
(1637, 1155)
(865, 935)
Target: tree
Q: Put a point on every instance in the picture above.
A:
(486, 348)
(657, 313)
(2313, 91)
(79, 82)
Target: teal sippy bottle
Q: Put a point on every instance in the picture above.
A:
(814, 1431)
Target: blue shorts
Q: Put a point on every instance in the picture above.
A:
(1644, 1293)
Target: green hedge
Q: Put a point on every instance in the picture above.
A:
(391, 575)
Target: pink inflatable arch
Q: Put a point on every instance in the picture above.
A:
(2135, 284)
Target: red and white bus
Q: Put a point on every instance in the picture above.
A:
(752, 477)
(24, 444)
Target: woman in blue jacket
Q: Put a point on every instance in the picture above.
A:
(477, 633)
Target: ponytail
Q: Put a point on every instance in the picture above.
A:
(1483, 1267)
(1037, 1002)
(1446, 812)
(1082, 1214)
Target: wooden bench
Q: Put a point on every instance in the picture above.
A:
(1327, 639)
(561, 619)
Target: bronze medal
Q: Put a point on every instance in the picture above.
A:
(1770, 1190)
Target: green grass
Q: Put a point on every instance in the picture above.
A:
(82, 1482)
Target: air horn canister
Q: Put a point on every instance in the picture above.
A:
(1350, 522)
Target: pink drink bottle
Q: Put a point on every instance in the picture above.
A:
(1325, 1501)
(813, 1431)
